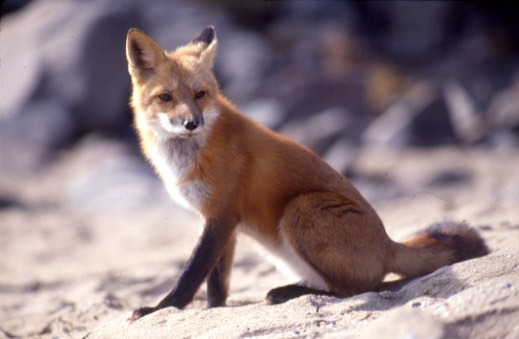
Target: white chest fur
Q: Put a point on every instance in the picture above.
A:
(174, 160)
(175, 157)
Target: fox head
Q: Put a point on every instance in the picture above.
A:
(173, 92)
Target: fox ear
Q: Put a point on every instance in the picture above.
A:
(206, 43)
(142, 52)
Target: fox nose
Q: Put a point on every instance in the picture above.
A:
(191, 125)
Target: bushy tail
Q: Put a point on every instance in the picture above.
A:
(436, 246)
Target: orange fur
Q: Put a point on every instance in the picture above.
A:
(245, 177)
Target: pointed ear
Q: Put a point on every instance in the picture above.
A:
(142, 52)
(205, 44)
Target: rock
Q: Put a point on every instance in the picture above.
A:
(66, 77)
(392, 128)
(318, 131)
(341, 155)
(72, 57)
(267, 112)
(466, 120)
(243, 56)
(426, 117)
(102, 177)
(172, 24)
(242, 62)
(79, 60)
(21, 66)
(403, 29)
(27, 141)
(432, 126)
(503, 114)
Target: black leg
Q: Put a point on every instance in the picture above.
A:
(218, 280)
(209, 249)
(285, 293)
(141, 312)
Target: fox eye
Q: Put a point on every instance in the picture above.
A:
(199, 94)
(165, 97)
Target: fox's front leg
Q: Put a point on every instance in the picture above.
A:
(217, 235)
(218, 280)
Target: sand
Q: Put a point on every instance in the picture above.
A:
(77, 268)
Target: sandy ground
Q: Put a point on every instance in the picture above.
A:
(79, 269)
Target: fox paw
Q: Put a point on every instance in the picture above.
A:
(285, 293)
(141, 312)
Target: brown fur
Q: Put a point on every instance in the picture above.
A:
(254, 180)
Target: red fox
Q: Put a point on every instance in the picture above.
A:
(243, 177)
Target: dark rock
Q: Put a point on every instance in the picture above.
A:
(319, 131)
(393, 127)
(254, 14)
(27, 140)
(12, 6)
(9, 202)
(432, 126)
(72, 52)
(304, 95)
(64, 72)
(503, 114)
(450, 177)
(410, 31)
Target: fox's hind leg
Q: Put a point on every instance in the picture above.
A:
(285, 293)
(339, 238)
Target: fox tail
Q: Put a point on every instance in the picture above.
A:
(436, 246)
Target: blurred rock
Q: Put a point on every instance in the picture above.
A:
(467, 122)
(267, 112)
(304, 95)
(393, 127)
(175, 23)
(102, 177)
(320, 130)
(402, 74)
(243, 60)
(21, 67)
(254, 14)
(449, 178)
(404, 29)
(432, 126)
(243, 57)
(503, 114)
(72, 52)
(428, 115)
(26, 141)
(384, 85)
(341, 155)
(7, 201)
(13, 6)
